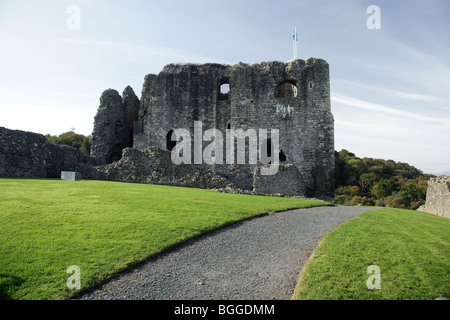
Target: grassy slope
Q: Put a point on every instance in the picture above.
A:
(411, 248)
(103, 227)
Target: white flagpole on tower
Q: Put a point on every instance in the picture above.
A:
(294, 42)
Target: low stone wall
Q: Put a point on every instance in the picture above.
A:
(27, 155)
(438, 197)
(154, 166)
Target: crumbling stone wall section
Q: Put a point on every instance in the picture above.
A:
(22, 154)
(438, 197)
(113, 124)
(28, 154)
(293, 97)
(154, 166)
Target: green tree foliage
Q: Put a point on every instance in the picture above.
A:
(72, 139)
(384, 188)
(380, 182)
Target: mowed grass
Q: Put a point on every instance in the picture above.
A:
(412, 250)
(103, 227)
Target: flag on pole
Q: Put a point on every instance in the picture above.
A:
(294, 42)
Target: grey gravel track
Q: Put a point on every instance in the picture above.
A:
(258, 259)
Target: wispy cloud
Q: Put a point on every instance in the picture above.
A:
(144, 54)
(397, 93)
(366, 105)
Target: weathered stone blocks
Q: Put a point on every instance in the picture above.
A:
(292, 97)
(113, 124)
(27, 154)
(438, 197)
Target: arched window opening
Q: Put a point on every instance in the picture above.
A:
(287, 89)
(169, 143)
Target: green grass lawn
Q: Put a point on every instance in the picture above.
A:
(412, 250)
(103, 227)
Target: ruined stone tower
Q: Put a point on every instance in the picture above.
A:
(113, 124)
(292, 97)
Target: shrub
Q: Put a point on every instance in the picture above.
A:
(341, 199)
(355, 191)
(360, 200)
(384, 188)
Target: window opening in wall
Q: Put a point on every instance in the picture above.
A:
(282, 156)
(224, 91)
(225, 88)
(169, 143)
(287, 89)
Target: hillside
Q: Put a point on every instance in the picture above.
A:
(369, 182)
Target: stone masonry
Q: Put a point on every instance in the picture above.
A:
(293, 97)
(438, 197)
(28, 154)
(113, 124)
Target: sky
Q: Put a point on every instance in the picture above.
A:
(390, 85)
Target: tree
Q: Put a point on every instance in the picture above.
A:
(366, 181)
(392, 183)
(384, 188)
(72, 139)
(355, 191)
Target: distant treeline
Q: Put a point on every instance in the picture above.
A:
(72, 139)
(378, 182)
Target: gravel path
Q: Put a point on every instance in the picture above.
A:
(258, 259)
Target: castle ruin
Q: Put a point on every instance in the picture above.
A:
(133, 139)
(292, 97)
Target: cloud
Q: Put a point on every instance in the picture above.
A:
(143, 54)
(397, 93)
(361, 104)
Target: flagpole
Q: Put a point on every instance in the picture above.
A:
(294, 42)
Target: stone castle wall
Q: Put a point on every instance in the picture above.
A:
(113, 124)
(28, 154)
(438, 197)
(292, 97)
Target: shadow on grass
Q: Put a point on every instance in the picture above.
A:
(7, 284)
